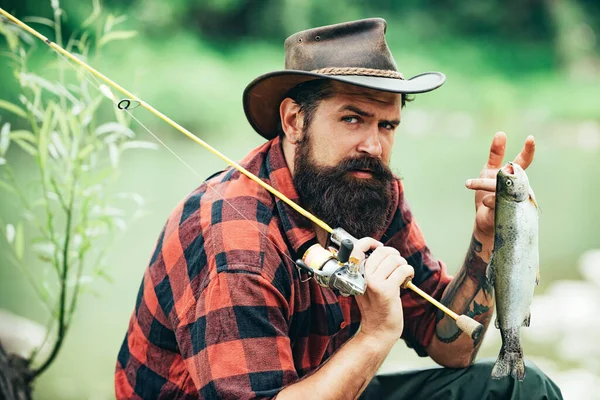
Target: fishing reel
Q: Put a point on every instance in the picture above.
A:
(335, 268)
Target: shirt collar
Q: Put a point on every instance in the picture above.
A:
(298, 229)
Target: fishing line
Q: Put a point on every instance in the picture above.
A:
(124, 108)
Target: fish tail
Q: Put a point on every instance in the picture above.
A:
(510, 360)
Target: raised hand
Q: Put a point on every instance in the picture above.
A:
(485, 185)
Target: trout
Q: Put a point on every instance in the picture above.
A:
(513, 270)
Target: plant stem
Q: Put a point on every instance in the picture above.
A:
(62, 326)
(49, 327)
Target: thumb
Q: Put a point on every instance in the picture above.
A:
(363, 245)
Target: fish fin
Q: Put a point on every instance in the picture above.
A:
(527, 319)
(537, 276)
(489, 273)
(509, 362)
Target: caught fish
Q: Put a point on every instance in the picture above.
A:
(513, 270)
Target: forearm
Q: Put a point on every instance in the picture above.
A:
(346, 374)
(469, 293)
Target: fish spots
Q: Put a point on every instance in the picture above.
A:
(498, 242)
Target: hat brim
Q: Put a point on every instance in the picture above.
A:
(263, 96)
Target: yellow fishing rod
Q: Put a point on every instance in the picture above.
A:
(329, 269)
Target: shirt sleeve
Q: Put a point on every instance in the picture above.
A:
(237, 345)
(430, 276)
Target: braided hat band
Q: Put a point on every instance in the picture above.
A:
(359, 71)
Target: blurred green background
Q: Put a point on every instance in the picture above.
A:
(525, 67)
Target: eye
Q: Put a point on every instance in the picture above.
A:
(509, 183)
(387, 126)
(350, 120)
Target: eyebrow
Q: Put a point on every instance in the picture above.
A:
(366, 114)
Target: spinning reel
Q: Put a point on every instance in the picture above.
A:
(335, 269)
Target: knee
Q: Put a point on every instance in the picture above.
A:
(537, 382)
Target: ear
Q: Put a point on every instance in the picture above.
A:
(292, 120)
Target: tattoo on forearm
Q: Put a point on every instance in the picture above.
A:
(478, 309)
(485, 320)
(474, 268)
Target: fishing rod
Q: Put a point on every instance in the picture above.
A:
(333, 268)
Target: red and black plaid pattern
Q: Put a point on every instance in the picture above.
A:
(221, 311)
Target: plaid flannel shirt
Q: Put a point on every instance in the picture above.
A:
(222, 312)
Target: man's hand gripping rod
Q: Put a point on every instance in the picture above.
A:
(337, 270)
(344, 274)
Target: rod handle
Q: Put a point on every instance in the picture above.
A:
(469, 326)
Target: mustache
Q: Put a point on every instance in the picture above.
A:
(376, 166)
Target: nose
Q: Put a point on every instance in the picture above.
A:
(371, 144)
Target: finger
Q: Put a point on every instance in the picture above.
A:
(377, 257)
(363, 245)
(489, 201)
(497, 151)
(388, 265)
(525, 157)
(401, 274)
(488, 184)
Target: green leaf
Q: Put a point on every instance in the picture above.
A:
(11, 37)
(116, 35)
(45, 291)
(59, 145)
(139, 144)
(44, 133)
(19, 244)
(114, 127)
(94, 15)
(31, 80)
(105, 276)
(63, 125)
(52, 150)
(113, 153)
(112, 21)
(82, 42)
(28, 148)
(120, 19)
(10, 233)
(23, 134)
(4, 138)
(108, 25)
(85, 151)
(89, 111)
(40, 20)
(2, 161)
(13, 108)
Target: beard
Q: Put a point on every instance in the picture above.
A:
(358, 205)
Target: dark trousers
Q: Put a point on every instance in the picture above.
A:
(473, 382)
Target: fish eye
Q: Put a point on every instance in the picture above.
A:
(509, 183)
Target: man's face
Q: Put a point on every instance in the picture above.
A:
(341, 166)
(355, 122)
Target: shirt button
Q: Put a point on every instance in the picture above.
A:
(343, 325)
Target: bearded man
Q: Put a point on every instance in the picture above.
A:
(222, 311)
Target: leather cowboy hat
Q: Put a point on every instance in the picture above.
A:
(353, 52)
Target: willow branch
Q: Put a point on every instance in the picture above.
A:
(62, 326)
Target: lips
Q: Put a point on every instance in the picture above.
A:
(366, 167)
